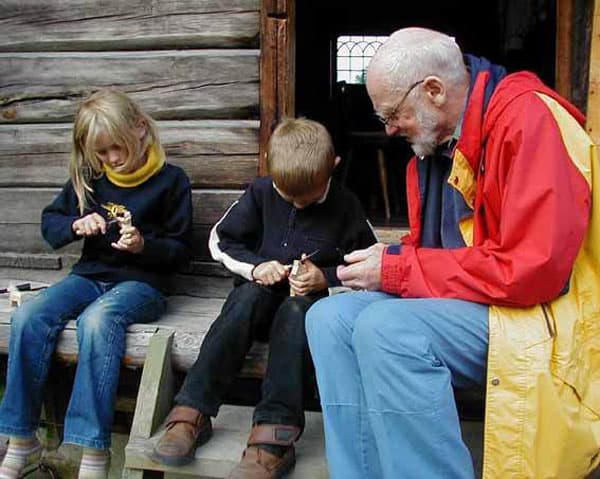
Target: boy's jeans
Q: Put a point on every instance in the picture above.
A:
(253, 312)
(386, 368)
(103, 312)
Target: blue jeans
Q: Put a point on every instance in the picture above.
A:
(103, 312)
(386, 368)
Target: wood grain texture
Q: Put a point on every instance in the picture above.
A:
(26, 204)
(187, 317)
(156, 386)
(214, 153)
(27, 239)
(29, 261)
(172, 85)
(138, 24)
(593, 102)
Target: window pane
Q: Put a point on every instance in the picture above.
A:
(353, 55)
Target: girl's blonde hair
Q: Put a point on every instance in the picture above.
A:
(300, 156)
(108, 111)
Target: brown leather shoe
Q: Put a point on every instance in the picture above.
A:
(185, 430)
(259, 463)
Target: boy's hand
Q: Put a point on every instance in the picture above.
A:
(89, 225)
(309, 279)
(131, 239)
(270, 272)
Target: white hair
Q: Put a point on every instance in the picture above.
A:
(411, 54)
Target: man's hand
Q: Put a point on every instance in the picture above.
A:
(364, 268)
(270, 272)
(131, 239)
(309, 279)
(89, 225)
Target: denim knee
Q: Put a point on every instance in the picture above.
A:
(375, 332)
(29, 323)
(320, 320)
(293, 312)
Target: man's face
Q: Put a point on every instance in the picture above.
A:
(407, 114)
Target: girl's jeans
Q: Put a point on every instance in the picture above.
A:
(386, 368)
(103, 312)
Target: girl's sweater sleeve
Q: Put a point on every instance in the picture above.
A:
(58, 218)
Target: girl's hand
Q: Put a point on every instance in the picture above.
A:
(89, 225)
(131, 239)
(270, 272)
(309, 279)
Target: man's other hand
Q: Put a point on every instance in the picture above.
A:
(363, 268)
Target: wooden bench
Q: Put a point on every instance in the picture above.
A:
(168, 347)
(163, 349)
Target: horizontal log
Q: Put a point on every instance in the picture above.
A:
(30, 261)
(24, 205)
(138, 24)
(214, 153)
(200, 286)
(27, 239)
(172, 85)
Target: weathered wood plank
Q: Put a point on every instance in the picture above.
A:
(188, 317)
(564, 27)
(28, 261)
(88, 25)
(593, 101)
(156, 386)
(25, 204)
(191, 84)
(277, 69)
(27, 239)
(214, 153)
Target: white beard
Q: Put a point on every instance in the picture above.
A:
(426, 142)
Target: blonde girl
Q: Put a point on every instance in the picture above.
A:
(132, 210)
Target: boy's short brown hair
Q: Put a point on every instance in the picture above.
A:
(300, 156)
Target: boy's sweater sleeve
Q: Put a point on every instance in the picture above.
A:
(237, 235)
(58, 218)
(171, 248)
(358, 235)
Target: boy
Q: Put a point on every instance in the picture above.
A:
(295, 213)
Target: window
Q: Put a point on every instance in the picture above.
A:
(353, 55)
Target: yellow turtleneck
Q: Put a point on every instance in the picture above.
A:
(154, 162)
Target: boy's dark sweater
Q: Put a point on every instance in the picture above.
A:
(261, 226)
(161, 210)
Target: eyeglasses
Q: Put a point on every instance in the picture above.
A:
(386, 120)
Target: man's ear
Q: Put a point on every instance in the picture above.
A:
(336, 161)
(435, 89)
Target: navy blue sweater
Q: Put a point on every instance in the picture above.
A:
(161, 209)
(261, 226)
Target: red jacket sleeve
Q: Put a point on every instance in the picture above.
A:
(531, 215)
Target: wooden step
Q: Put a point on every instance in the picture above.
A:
(216, 458)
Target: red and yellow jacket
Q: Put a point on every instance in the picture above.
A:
(526, 169)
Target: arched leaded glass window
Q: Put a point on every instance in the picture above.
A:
(353, 55)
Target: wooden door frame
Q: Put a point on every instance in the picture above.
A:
(277, 69)
(567, 81)
(593, 99)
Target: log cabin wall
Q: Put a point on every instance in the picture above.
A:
(193, 65)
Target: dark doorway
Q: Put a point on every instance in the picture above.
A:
(520, 34)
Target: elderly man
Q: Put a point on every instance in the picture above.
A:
(497, 282)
